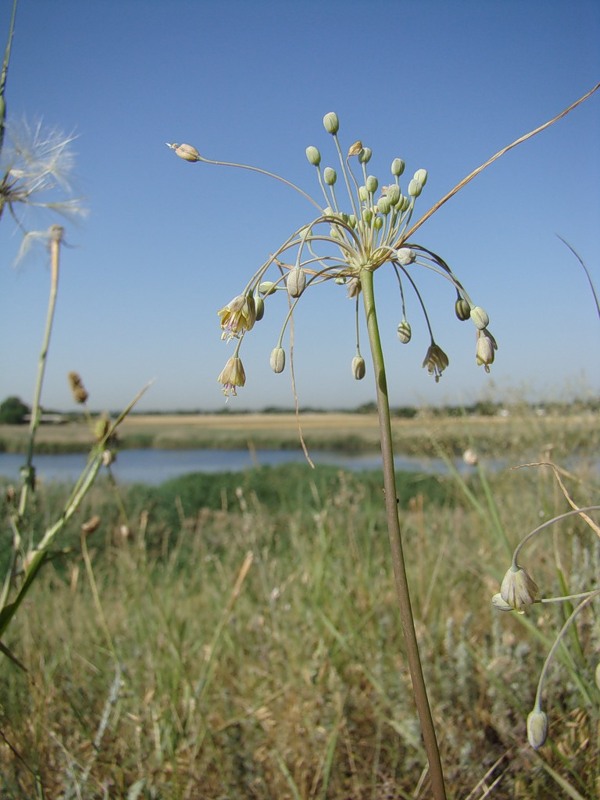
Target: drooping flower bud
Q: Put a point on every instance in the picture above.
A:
(313, 156)
(405, 256)
(295, 282)
(518, 588)
(331, 122)
(259, 305)
(404, 332)
(358, 368)
(398, 167)
(479, 317)
(462, 309)
(436, 361)
(484, 351)
(329, 176)
(537, 728)
(277, 359)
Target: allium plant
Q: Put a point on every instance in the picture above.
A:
(361, 227)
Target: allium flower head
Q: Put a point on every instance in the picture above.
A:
(361, 224)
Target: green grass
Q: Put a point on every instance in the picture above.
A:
(291, 684)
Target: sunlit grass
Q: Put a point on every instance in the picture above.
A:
(292, 687)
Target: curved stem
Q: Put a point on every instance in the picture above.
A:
(393, 524)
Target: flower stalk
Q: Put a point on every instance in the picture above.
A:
(395, 536)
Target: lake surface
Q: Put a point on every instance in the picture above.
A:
(153, 467)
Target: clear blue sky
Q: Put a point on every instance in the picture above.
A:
(441, 84)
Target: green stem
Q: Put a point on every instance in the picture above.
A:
(393, 523)
(56, 234)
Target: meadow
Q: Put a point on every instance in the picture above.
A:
(236, 635)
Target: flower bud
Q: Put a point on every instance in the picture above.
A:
(363, 194)
(186, 151)
(358, 368)
(365, 155)
(421, 176)
(371, 183)
(397, 167)
(329, 176)
(259, 305)
(277, 359)
(313, 156)
(405, 256)
(537, 728)
(378, 223)
(354, 149)
(384, 205)
(266, 288)
(295, 281)
(436, 361)
(462, 309)
(415, 188)
(484, 351)
(393, 193)
(404, 332)
(479, 317)
(597, 675)
(331, 122)
(518, 588)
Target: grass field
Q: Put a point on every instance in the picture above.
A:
(525, 431)
(236, 636)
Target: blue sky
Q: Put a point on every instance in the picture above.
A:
(442, 85)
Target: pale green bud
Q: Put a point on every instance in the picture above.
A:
(462, 309)
(352, 221)
(479, 317)
(405, 256)
(329, 176)
(296, 282)
(415, 188)
(404, 332)
(378, 223)
(367, 215)
(277, 359)
(358, 368)
(259, 305)
(405, 204)
(393, 194)
(597, 675)
(421, 176)
(363, 194)
(537, 728)
(266, 288)
(313, 156)
(365, 155)
(398, 167)
(384, 205)
(484, 350)
(331, 122)
(372, 183)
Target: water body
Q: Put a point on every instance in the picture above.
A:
(153, 467)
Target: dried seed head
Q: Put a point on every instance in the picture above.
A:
(77, 388)
(355, 148)
(537, 728)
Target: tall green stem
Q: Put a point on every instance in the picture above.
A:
(393, 524)
(56, 235)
